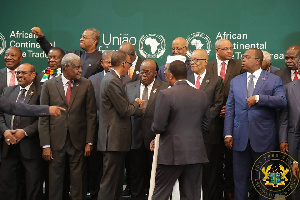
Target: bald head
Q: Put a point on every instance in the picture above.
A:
(148, 72)
(179, 46)
(199, 60)
(201, 53)
(12, 58)
(292, 57)
(128, 48)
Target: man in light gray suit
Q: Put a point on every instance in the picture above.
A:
(140, 156)
(114, 136)
(181, 115)
(73, 134)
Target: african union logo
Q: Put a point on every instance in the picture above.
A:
(152, 46)
(2, 44)
(272, 176)
(198, 41)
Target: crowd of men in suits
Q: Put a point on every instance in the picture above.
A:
(208, 114)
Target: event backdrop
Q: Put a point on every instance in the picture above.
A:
(151, 25)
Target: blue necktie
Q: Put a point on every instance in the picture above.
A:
(250, 86)
(17, 119)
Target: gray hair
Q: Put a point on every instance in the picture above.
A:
(218, 42)
(95, 34)
(267, 57)
(107, 53)
(68, 59)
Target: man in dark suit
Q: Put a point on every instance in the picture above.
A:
(250, 122)
(55, 56)
(179, 47)
(290, 73)
(114, 136)
(227, 68)
(136, 61)
(89, 41)
(181, 115)
(212, 85)
(73, 134)
(140, 156)
(267, 63)
(23, 145)
(12, 59)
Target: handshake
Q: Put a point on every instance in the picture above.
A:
(141, 102)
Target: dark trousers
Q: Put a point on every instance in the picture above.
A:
(140, 163)
(111, 184)
(12, 168)
(189, 177)
(94, 173)
(212, 173)
(57, 172)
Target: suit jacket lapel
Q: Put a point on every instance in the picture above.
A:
(296, 92)
(260, 82)
(60, 89)
(243, 84)
(74, 91)
(30, 93)
(205, 82)
(154, 92)
(191, 78)
(228, 71)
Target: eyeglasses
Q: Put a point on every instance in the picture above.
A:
(23, 72)
(178, 49)
(197, 59)
(226, 49)
(85, 37)
(145, 72)
(129, 63)
(53, 57)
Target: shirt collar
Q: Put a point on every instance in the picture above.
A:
(27, 87)
(64, 79)
(220, 62)
(202, 75)
(115, 72)
(256, 73)
(150, 85)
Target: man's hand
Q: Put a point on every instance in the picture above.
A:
(55, 110)
(19, 134)
(152, 145)
(222, 113)
(228, 142)
(141, 102)
(37, 31)
(251, 101)
(284, 147)
(87, 150)
(295, 170)
(47, 154)
(9, 137)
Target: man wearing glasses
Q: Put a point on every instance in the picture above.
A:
(250, 123)
(140, 156)
(179, 47)
(227, 68)
(212, 85)
(90, 57)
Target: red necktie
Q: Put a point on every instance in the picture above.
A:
(296, 75)
(69, 90)
(222, 72)
(12, 78)
(198, 82)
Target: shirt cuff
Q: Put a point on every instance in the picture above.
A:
(226, 136)
(26, 134)
(46, 146)
(256, 98)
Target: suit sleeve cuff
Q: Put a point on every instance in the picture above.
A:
(46, 146)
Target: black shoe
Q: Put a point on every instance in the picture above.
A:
(126, 192)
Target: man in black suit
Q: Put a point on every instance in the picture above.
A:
(140, 156)
(114, 136)
(212, 85)
(227, 68)
(90, 57)
(179, 47)
(136, 61)
(181, 115)
(290, 73)
(21, 150)
(72, 135)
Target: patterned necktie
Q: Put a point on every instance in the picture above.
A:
(17, 119)
(198, 82)
(250, 86)
(222, 72)
(296, 75)
(12, 78)
(69, 91)
(145, 97)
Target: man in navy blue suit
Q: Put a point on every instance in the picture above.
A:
(250, 123)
